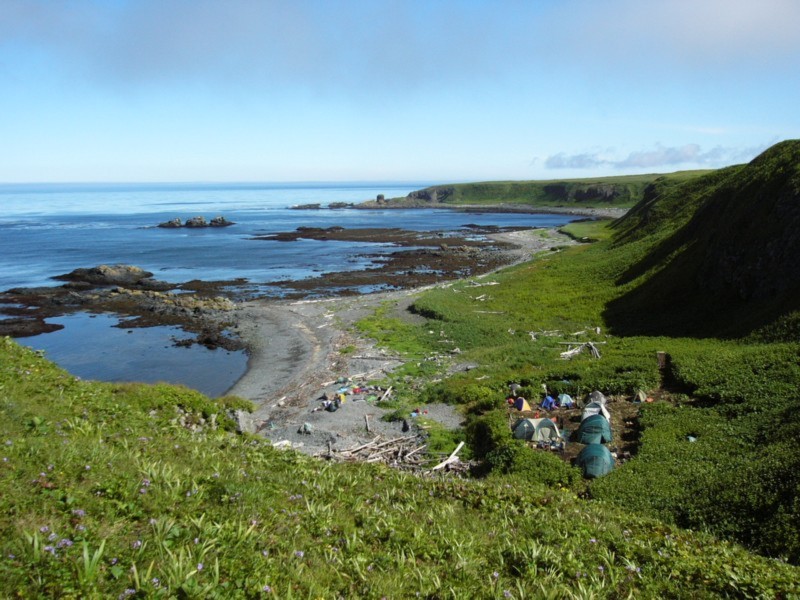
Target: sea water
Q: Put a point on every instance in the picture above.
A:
(51, 229)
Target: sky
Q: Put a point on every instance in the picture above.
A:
(391, 90)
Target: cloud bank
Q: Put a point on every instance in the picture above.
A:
(397, 43)
(660, 156)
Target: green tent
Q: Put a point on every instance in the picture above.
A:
(595, 461)
(593, 430)
(536, 430)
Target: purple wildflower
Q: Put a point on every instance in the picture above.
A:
(136, 545)
(267, 589)
(64, 543)
(44, 529)
(199, 566)
(299, 553)
(79, 512)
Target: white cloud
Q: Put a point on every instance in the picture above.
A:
(660, 156)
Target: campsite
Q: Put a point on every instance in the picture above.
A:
(161, 490)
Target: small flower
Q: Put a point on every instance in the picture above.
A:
(142, 490)
(265, 553)
(79, 512)
(113, 561)
(88, 467)
(152, 521)
(266, 588)
(136, 545)
(495, 575)
(155, 581)
(52, 537)
(64, 543)
(80, 527)
(126, 593)
(506, 594)
(593, 541)
(199, 566)
(299, 553)
(50, 549)
(601, 568)
(146, 482)
(44, 529)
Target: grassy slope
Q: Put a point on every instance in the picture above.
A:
(621, 191)
(738, 397)
(108, 492)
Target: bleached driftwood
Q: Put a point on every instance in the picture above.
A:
(571, 352)
(453, 457)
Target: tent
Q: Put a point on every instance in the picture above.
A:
(521, 404)
(595, 461)
(536, 430)
(597, 396)
(593, 430)
(565, 401)
(595, 408)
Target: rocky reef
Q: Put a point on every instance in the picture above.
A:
(196, 223)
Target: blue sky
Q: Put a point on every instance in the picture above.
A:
(429, 90)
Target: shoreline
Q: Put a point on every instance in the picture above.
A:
(295, 356)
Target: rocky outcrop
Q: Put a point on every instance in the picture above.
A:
(431, 195)
(571, 192)
(109, 275)
(196, 222)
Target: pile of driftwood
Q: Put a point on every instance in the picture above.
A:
(404, 452)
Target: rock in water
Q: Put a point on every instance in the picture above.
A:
(196, 222)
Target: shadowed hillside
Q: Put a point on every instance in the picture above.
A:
(726, 260)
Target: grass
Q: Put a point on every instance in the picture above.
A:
(735, 393)
(620, 191)
(111, 493)
(146, 491)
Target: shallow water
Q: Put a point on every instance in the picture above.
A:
(48, 230)
(92, 347)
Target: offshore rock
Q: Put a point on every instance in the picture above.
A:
(128, 276)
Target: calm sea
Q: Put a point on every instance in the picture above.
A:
(47, 230)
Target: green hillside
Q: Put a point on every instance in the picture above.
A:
(724, 248)
(733, 377)
(134, 491)
(127, 491)
(604, 192)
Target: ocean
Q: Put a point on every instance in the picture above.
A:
(51, 229)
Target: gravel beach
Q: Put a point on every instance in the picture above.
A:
(295, 356)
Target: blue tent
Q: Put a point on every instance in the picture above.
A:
(594, 430)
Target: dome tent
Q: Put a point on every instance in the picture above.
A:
(536, 430)
(595, 461)
(595, 408)
(594, 430)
